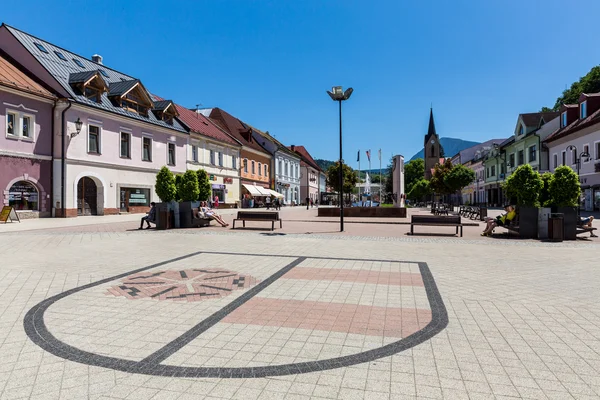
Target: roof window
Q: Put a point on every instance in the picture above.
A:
(79, 63)
(60, 55)
(103, 72)
(40, 47)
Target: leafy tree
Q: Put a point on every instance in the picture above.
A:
(178, 185)
(204, 189)
(419, 190)
(564, 188)
(333, 178)
(459, 177)
(165, 185)
(590, 83)
(546, 109)
(414, 171)
(388, 185)
(438, 179)
(525, 185)
(188, 187)
(547, 178)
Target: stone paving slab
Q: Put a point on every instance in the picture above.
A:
(522, 316)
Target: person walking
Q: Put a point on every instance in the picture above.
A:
(216, 203)
(268, 202)
(307, 202)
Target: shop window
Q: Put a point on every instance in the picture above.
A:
(125, 145)
(23, 196)
(134, 197)
(146, 149)
(93, 139)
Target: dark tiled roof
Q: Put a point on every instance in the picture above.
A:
(236, 129)
(533, 119)
(121, 87)
(575, 126)
(431, 129)
(280, 146)
(80, 77)
(12, 76)
(161, 105)
(198, 123)
(305, 156)
(507, 141)
(61, 70)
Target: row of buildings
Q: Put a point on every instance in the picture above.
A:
(544, 140)
(80, 138)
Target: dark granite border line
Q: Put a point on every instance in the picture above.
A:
(37, 331)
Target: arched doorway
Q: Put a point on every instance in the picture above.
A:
(87, 197)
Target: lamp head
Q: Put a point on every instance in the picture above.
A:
(78, 125)
(338, 94)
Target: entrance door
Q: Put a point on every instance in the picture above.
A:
(87, 197)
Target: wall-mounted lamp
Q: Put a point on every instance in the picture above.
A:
(78, 125)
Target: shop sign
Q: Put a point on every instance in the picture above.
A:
(212, 178)
(218, 186)
(8, 212)
(228, 180)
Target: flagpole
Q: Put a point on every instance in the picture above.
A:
(359, 175)
(380, 181)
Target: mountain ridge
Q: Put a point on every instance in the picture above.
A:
(451, 147)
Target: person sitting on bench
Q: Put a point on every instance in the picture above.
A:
(151, 217)
(586, 222)
(500, 220)
(210, 213)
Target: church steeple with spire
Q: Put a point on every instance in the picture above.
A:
(431, 147)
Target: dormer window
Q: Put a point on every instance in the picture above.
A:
(563, 119)
(521, 130)
(131, 96)
(583, 110)
(165, 110)
(88, 83)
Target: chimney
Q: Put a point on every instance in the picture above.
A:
(293, 147)
(97, 58)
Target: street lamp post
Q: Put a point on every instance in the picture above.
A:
(337, 94)
(577, 160)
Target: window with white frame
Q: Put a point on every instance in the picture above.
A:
(125, 145)
(253, 168)
(245, 165)
(286, 169)
(597, 150)
(586, 149)
(19, 125)
(234, 162)
(93, 139)
(259, 171)
(212, 157)
(574, 156)
(194, 153)
(555, 157)
(583, 110)
(265, 169)
(279, 167)
(220, 159)
(532, 153)
(171, 154)
(564, 158)
(146, 148)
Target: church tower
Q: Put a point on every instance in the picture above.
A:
(431, 147)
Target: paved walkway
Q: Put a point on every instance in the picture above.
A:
(105, 311)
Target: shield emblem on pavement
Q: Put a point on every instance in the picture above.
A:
(214, 314)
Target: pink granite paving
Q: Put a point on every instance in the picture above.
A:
(335, 317)
(359, 276)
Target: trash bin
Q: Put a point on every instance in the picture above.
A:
(482, 213)
(556, 224)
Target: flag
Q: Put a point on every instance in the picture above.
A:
(369, 155)
(379, 154)
(358, 156)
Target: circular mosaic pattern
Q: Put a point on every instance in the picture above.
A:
(182, 285)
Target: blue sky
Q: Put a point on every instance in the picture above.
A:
(269, 63)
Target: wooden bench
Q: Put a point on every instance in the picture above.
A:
(581, 229)
(436, 220)
(199, 220)
(271, 216)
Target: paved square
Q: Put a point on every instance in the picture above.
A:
(213, 314)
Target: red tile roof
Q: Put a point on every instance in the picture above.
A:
(198, 123)
(12, 76)
(306, 157)
(575, 126)
(236, 129)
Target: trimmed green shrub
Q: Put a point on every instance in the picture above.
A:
(204, 189)
(564, 189)
(188, 186)
(165, 185)
(525, 186)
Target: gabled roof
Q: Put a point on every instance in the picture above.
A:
(234, 127)
(576, 125)
(61, 70)
(198, 123)
(162, 105)
(533, 119)
(12, 76)
(120, 88)
(266, 136)
(83, 77)
(305, 156)
(468, 154)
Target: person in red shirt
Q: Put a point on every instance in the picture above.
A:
(216, 203)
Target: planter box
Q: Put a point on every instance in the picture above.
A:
(185, 213)
(543, 221)
(164, 216)
(528, 222)
(363, 212)
(570, 222)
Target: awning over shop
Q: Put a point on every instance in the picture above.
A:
(263, 191)
(253, 190)
(275, 194)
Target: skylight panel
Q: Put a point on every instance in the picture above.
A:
(40, 47)
(103, 72)
(60, 55)
(79, 63)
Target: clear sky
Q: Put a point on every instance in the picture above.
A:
(269, 63)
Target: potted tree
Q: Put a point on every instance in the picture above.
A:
(167, 192)
(525, 185)
(564, 192)
(188, 191)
